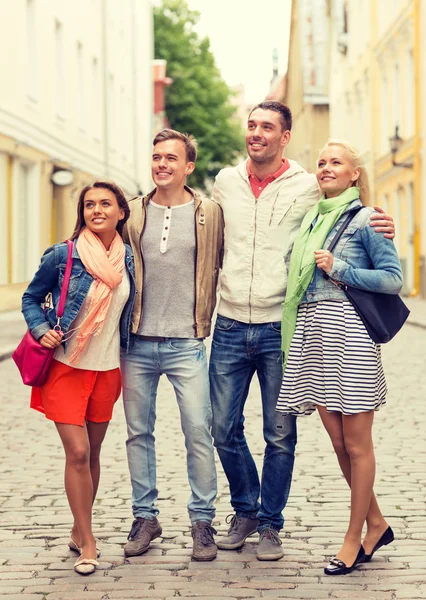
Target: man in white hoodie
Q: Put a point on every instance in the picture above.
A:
(264, 200)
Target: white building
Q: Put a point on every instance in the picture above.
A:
(76, 95)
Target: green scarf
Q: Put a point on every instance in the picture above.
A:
(302, 263)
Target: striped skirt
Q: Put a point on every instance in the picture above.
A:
(332, 362)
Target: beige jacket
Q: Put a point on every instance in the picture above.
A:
(209, 250)
(258, 236)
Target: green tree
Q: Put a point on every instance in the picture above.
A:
(198, 101)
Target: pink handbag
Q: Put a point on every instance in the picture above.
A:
(32, 359)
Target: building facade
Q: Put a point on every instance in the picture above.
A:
(305, 87)
(76, 97)
(375, 104)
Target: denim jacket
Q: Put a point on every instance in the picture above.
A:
(362, 258)
(49, 278)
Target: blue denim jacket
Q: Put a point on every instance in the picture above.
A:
(49, 278)
(362, 258)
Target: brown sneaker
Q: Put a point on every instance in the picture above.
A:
(204, 547)
(142, 533)
(269, 547)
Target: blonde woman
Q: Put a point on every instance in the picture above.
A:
(331, 363)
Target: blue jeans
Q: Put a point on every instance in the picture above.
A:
(238, 351)
(184, 363)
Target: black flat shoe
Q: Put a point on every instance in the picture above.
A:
(386, 539)
(338, 567)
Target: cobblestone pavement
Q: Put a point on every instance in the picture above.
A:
(35, 520)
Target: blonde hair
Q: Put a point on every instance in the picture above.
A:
(358, 163)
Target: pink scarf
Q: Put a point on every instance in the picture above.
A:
(106, 267)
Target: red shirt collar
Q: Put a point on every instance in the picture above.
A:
(257, 186)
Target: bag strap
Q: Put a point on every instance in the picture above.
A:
(66, 282)
(334, 241)
(342, 228)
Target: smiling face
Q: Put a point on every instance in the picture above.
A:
(170, 165)
(101, 211)
(335, 172)
(265, 137)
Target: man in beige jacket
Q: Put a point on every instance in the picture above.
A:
(264, 200)
(176, 237)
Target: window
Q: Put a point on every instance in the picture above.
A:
(25, 221)
(112, 121)
(31, 38)
(95, 101)
(409, 97)
(396, 108)
(80, 95)
(385, 203)
(59, 71)
(397, 219)
(385, 116)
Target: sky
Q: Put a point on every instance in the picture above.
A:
(243, 35)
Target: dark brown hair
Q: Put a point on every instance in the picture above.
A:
(189, 141)
(121, 201)
(282, 109)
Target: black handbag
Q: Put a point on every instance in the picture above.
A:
(382, 314)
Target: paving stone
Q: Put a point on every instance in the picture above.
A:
(35, 519)
(7, 590)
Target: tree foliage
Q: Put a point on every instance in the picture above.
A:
(198, 101)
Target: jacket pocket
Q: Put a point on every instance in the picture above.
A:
(74, 279)
(279, 213)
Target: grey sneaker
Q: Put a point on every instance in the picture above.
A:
(269, 547)
(204, 547)
(142, 533)
(239, 530)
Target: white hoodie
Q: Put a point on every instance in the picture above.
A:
(258, 236)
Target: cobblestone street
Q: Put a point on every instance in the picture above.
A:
(35, 519)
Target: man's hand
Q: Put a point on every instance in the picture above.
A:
(324, 260)
(382, 223)
(51, 339)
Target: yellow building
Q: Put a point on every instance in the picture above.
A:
(395, 47)
(305, 87)
(374, 103)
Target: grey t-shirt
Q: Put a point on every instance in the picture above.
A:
(168, 250)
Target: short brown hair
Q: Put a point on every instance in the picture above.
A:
(281, 109)
(189, 141)
(121, 201)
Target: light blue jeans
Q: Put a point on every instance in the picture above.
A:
(184, 362)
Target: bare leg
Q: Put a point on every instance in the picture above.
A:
(78, 483)
(376, 524)
(96, 434)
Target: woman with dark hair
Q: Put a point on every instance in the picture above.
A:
(84, 380)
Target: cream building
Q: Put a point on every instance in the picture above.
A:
(76, 97)
(373, 60)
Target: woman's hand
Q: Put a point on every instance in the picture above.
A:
(51, 339)
(324, 260)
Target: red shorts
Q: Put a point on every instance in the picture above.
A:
(74, 396)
